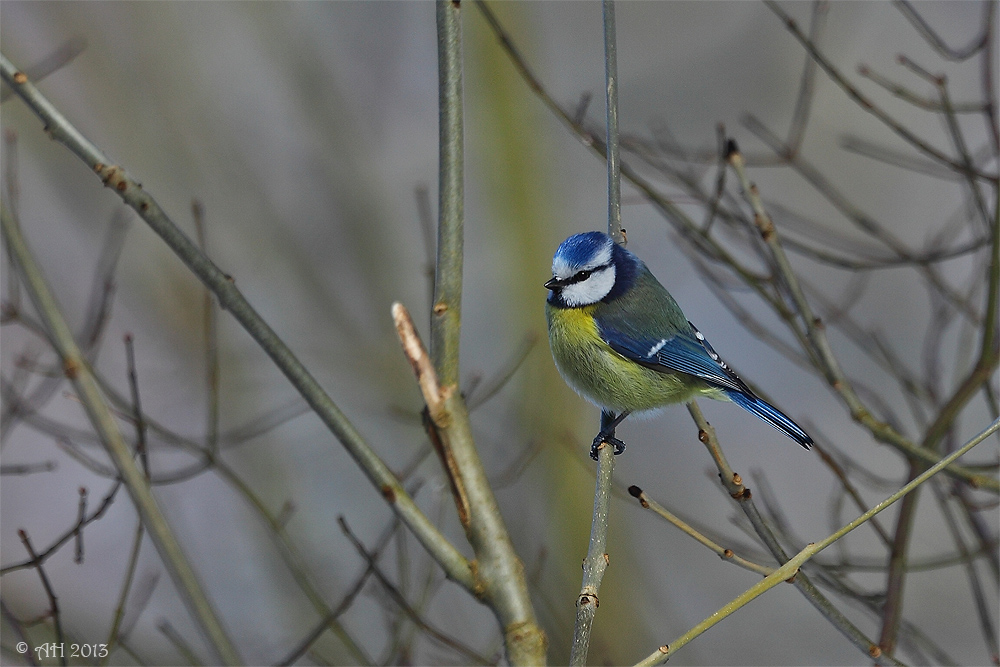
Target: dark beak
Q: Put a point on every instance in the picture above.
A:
(554, 282)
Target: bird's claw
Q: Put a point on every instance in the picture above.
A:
(602, 439)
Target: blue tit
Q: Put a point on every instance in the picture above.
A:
(621, 341)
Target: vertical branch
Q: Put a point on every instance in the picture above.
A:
(12, 291)
(892, 609)
(447, 311)
(140, 422)
(597, 559)
(499, 573)
(77, 370)
(114, 635)
(991, 341)
(615, 230)
(81, 516)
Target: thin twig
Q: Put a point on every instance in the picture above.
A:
(733, 483)
(115, 633)
(77, 371)
(862, 101)
(81, 515)
(791, 568)
(345, 602)
(615, 230)
(68, 535)
(49, 592)
(978, 590)
(405, 606)
(230, 298)
(935, 40)
(182, 646)
(807, 84)
(723, 552)
(140, 424)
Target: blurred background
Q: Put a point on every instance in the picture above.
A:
(307, 133)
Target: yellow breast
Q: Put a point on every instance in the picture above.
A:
(601, 375)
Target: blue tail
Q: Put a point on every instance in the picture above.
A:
(771, 415)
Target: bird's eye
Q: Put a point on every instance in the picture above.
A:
(582, 275)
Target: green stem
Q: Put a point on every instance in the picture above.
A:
(499, 572)
(446, 315)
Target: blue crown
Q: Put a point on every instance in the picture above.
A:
(581, 249)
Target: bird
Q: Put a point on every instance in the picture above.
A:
(621, 341)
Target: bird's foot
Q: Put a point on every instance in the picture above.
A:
(606, 438)
(609, 422)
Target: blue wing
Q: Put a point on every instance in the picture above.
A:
(687, 351)
(684, 351)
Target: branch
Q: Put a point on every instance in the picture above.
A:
(791, 567)
(403, 603)
(597, 559)
(499, 573)
(615, 230)
(77, 370)
(823, 352)
(230, 298)
(724, 553)
(446, 318)
(868, 105)
(741, 494)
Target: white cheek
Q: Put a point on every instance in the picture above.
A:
(591, 290)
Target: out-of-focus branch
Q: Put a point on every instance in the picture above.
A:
(116, 622)
(61, 57)
(816, 334)
(131, 192)
(859, 218)
(790, 569)
(733, 483)
(53, 613)
(76, 369)
(403, 603)
(866, 104)
(935, 40)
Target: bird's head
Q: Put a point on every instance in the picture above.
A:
(588, 268)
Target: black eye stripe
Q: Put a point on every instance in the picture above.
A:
(580, 276)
